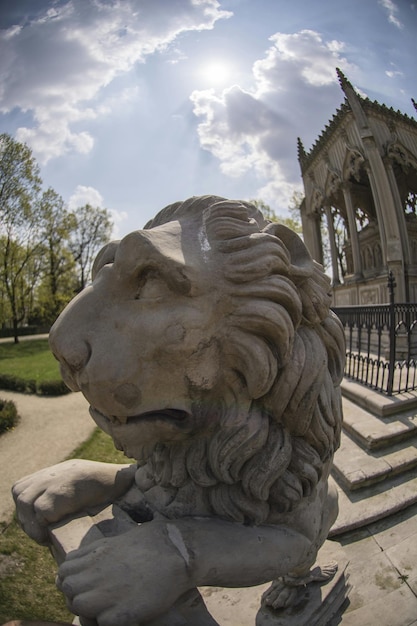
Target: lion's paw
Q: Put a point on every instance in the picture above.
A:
(280, 595)
(284, 591)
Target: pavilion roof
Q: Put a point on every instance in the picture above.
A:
(372, 108)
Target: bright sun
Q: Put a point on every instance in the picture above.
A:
(216, 72)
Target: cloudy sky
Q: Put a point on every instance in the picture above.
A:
(134, 104)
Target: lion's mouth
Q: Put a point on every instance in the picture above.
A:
(168, 415)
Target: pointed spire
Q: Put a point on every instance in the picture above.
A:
(300, 149)
(302, 155)
(354, 102)
(344, 83)
(414, 103)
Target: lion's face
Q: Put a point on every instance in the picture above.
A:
(141, 342)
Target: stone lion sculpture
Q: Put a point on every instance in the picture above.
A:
(207, 351)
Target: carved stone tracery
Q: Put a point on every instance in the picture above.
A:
(399, 154)
(353, 164)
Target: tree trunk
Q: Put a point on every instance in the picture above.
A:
(15, 333)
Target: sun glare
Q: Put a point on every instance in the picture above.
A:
(216, 72)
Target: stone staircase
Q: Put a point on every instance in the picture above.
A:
(375, 468)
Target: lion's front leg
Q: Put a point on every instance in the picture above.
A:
(53, 493)
(139, 575)
(128, 579)
(285, 591)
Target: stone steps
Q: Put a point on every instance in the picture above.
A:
(355, 468)
(375, 468)
(364, 506)
(373, 432)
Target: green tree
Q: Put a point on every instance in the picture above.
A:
(59, 277)
(294, 207)
(20, 270)
(20, 184)
(93, 228)
(293, 221)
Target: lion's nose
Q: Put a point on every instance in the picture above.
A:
(76, 357)
(72, 353)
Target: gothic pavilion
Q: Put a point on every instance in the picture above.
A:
(360, 182)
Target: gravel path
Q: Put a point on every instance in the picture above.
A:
(48, 432)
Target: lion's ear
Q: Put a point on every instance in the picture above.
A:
(105, 256)
(302, 265)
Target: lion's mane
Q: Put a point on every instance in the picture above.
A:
(284, 343)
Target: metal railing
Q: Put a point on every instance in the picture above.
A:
(381, 344)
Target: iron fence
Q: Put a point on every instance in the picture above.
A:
(381, 345)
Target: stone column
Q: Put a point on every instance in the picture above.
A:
(312, 235)
(384, 202)
(354, 239)
(379, 214)
(333, 247)
(318, 245)
(399, 210)
(391, 241)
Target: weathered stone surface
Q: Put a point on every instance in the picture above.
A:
(206, 349)
(378, 403)
(356, 468)
(375, 466)
(376, 432)
(370, 504)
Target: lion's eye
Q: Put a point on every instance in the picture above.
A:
(152, 287)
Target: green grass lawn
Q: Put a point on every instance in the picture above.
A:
(27, 571)
(30, 360)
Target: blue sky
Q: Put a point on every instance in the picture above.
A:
(134, 104)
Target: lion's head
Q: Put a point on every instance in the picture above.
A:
(206, 348)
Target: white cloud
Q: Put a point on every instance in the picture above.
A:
(392, 11)
(256, 131)
(393, 73)
(306, 52)
(89, 195)
(56, 65)
(118, 218)
(85, 195)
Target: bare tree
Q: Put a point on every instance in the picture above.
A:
(293, 221)
(93, 228)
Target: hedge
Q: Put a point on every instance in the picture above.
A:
(41, 388)
(8, 415)
(51, 388)
(22, 331)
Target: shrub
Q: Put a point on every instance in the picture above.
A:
(30, 386)
(41, 388)
(12, 383)
(51, 388)
(8, 415)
